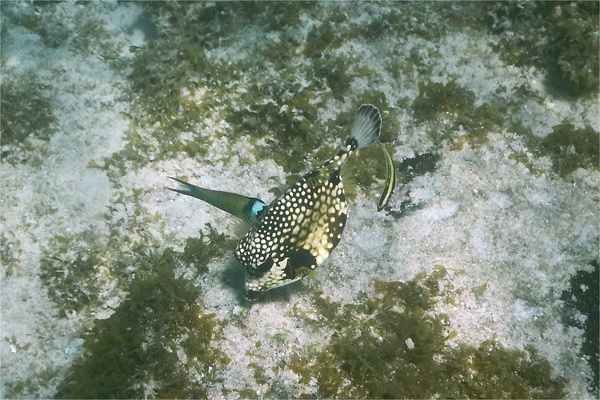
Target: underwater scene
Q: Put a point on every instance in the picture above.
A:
(459, 259)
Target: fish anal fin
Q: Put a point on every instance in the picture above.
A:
(239, 227)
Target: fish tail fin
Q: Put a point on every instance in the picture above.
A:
(188, 189)
(366, 131)
(367, 125)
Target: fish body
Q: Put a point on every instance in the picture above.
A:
(292, 236)
(248, 209)
(304, 224)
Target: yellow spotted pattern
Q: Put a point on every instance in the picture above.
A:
(298, 231)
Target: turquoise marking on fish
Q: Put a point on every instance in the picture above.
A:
(295, 234)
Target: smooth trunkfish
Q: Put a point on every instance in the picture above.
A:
(292, 236)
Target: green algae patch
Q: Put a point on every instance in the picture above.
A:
(287, 126)
(158, 340)
(557, 37)
(72, 272)
(154, 344)
(80, 272)
(27, 112)
(571, 148)
(188, 90)
(395, 346)
(438, 98)
(568, 147)
(450, 108)
(199, 251)
(174, 89)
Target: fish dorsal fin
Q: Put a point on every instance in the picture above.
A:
(321, 175)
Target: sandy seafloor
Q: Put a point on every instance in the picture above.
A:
(509, 229)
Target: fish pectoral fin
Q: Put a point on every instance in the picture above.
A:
(348, 175)
(301, 263)
(301, 272)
